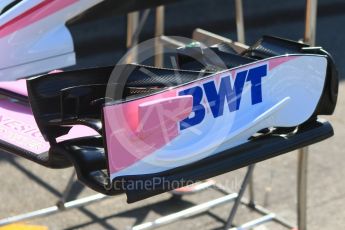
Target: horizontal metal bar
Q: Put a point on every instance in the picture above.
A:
(257, 208)
(195, 188)
(255, 222)
(277, 219)
(209, 39)
(195, 210)
(54, 209)
(172, 42)
(30, 215)
(84, 201)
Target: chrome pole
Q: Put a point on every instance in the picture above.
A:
(310, 22)
(241, 38)
(66, 193)
(54, 209)
(254, 223)
(189, 212)
(237, 203)
(132, 25)
(239, 21)
(302, 174)
(159, 32)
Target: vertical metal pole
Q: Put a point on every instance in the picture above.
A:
(240, 21)
(159, 32)
(68, 189)
(251, 191)
(244, 184)
(302, 174)
(132, 24)
(241, 37)
(302, 188)
(310, 22)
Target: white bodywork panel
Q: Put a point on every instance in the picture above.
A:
(41, 46)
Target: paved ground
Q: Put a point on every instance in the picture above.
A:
(26, 186)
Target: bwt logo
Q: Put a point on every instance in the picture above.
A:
(216, 98)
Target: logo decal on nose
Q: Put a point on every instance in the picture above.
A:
(226, 93)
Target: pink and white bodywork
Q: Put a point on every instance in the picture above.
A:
(18, 126)
(193, 121)
(34, 38)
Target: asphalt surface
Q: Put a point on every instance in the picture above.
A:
(26, 186)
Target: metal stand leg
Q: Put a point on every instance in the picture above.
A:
(132, 25)
(310, 22)
(251, 191)
(239, 21)
(61, 205)
(309, 37)
(259, 209)
(134, 28)
(159, 32)
(241, 38)
(239, 197)
(302, 188)
(64, 196)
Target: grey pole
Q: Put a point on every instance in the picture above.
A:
(302, 174)
(241, 37)
(132, 25)
(239, 21)
(310, 22)
(159, 32)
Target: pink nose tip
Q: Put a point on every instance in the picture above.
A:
(55, 71)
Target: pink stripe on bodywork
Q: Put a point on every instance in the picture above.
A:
(18, 87)
(18, 128)
(38, 12)
(278, 61)
(136, 129)
(161, 115)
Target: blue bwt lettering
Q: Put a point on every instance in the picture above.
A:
(198, 108)
(225, 94)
